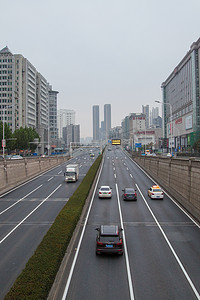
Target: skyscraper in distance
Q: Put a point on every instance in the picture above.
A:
(107, 119)
(145, 110)
(95, 122)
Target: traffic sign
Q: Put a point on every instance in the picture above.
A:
(138, 145)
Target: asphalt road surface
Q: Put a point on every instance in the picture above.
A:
(161, 244)
(27, 212)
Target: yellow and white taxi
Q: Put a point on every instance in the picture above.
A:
(155, 192)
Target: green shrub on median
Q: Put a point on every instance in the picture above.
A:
(36, 279)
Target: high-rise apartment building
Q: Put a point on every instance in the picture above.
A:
(145, 110)
(71, 134)
(24, 95)
(42, 101)
(76, 134)
(125, 128)
(96, 123)
(53, 127)
(17, 90)
(65, 117)
(107, 119)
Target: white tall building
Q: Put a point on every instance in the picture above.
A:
(23, 88)
(24, 94)
(65, 117)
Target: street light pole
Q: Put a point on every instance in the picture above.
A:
(170, 107)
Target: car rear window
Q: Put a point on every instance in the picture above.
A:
(129, 191)
(157, 190)
(106, 239)
(105, 189)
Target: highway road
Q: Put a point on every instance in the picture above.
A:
(161, 244)
(28, 211)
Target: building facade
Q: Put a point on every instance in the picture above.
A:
(65, 117)
(71, 134)
(95, 114)
(24, 95)
(145, 111)
(107, 120)
(53, 124)
(181, 104)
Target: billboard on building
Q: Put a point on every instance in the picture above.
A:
(188, 122)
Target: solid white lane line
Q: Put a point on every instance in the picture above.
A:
(125, 250)
(185, 212)
(5, 237)
(171, 248)
(81, 237)
(50, 179)
(20, 199)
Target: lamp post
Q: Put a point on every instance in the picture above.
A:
(170, 107)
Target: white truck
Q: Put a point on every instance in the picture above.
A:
(72, 173)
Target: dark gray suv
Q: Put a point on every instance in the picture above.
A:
(109, 239)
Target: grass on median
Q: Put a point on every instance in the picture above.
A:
(36, 279)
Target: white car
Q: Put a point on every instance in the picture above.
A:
(16, 157)
(105, 191)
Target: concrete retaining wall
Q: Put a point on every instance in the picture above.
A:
(180, 177)
(15, 172)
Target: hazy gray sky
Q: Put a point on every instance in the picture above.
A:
(102, 51)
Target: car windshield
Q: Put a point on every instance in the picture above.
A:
(107, 239)
(70, 173)
(156, 190)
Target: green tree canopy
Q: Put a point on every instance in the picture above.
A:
(25, 138)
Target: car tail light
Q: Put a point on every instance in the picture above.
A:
(135, 194)
(152, 194)
(109, 193)
(162, 193)
(125, 195)
(99, 192)
(120, 243)
(99, 243)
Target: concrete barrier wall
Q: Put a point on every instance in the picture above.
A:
(180, 177)
(15, 172)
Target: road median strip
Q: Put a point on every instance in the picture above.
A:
(36, 279)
